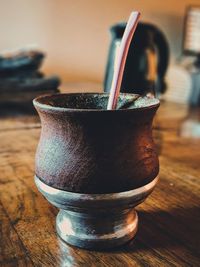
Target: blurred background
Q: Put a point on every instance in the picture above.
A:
(74, 45)
(74, 34)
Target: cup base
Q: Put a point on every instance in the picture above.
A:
(96, 221)
(96, 231)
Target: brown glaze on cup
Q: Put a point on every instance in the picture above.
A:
(87, 149)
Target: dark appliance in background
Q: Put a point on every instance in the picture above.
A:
(147, 60)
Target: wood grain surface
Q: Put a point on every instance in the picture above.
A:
(169, 220)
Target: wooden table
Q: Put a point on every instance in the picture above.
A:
(169, 227)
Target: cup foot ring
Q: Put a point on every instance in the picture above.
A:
(92, 232)
(96, 221)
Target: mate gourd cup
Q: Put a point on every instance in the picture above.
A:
(95, 165)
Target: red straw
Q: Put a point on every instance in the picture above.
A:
(121, 60)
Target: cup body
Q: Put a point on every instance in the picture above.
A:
(86, 149)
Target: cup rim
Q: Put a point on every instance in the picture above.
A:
(37, 103)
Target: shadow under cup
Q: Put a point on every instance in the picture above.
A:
(85, 148)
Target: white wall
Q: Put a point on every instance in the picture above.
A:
(74, 33)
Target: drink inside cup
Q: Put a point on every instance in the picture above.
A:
(85, 148)
(95, 101)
